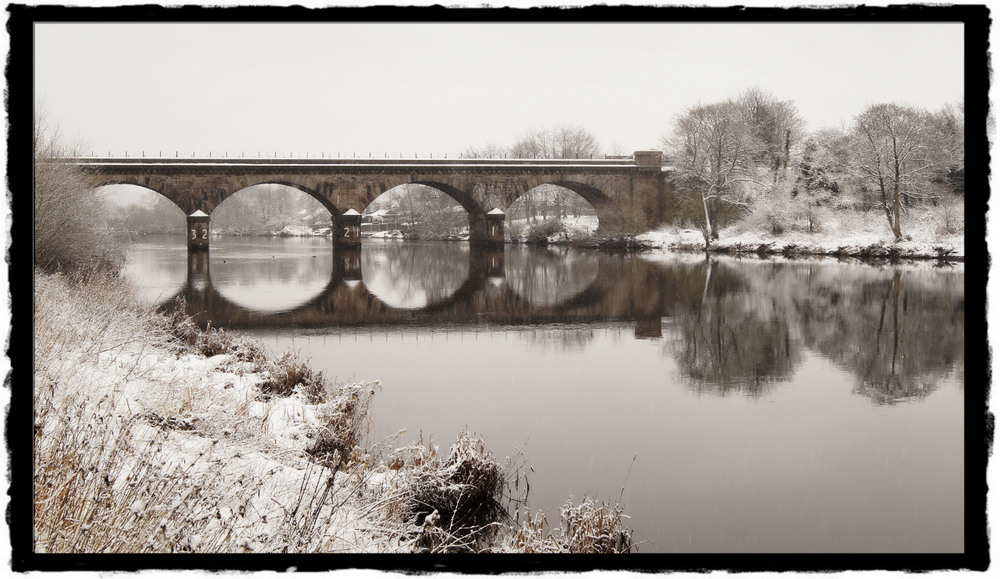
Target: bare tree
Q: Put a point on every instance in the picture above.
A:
(891, 154)
(715, 151)
(561, 142)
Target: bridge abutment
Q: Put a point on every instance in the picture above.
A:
(198, 231)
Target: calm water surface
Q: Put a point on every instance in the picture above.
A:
(744, 406)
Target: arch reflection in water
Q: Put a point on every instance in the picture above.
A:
(414, 275)
(391, 283)
(270, 275)
(551, 276)
(158, 268)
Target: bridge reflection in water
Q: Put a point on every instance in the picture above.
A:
(730, 326)
(520, 288)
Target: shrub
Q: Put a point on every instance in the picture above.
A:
(615, 243)
(446, 505)
(542, 233)
(594, 528)
(68, 211)
(339, 441)
(589, 527)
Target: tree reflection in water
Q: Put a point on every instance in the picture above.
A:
(897, 333)
(740, 327)
(731, 338)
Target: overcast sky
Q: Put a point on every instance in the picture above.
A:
(436, 88)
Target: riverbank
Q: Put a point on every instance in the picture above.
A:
(154, 436)
(833, 243)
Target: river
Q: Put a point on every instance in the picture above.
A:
(731, 405)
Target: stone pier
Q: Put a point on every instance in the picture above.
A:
(198, 231)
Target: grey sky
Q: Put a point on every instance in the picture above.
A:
(438, 88)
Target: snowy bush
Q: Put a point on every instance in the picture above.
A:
(69, 232)
(545, 232)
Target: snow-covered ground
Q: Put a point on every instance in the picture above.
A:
(833, 241)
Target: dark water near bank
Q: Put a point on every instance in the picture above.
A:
(745, 406)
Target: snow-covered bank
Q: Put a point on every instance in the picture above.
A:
(146, 444)
(831, 243)
(153, 436)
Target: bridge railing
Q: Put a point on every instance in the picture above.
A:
(309, 161)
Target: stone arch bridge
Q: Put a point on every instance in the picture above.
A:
(625, 192)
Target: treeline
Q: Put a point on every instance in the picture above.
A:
(153, 214)
(561, 142)
(751, 156)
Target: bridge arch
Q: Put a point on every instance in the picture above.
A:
(136, 207)
(578, 209)
(104, 186)
(463, 198)
(323, 200)
(597, 198)
(248, 210)
(423, 210)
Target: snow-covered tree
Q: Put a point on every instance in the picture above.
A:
(776, 125)
(947, 148)
(715, 151)
(892, 156)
